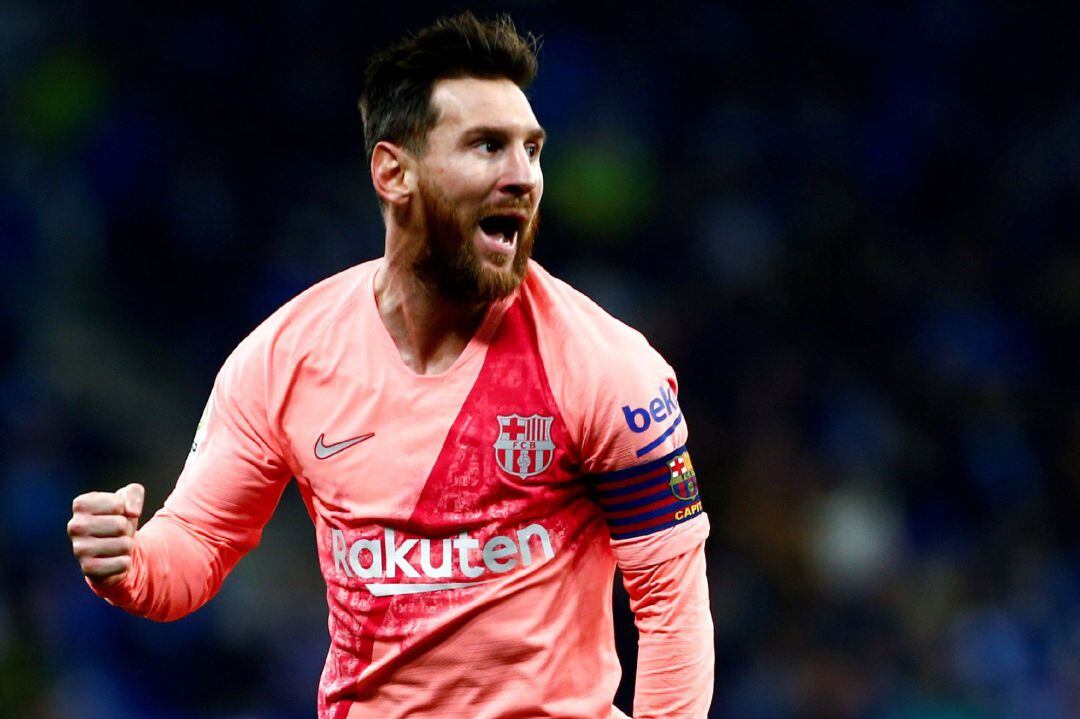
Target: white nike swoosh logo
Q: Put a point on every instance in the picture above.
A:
(386, 590)
(323, 451)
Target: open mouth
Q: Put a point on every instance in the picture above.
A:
(501, 232)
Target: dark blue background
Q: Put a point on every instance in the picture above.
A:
(851, 227)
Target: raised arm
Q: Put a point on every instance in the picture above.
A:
(229, 488)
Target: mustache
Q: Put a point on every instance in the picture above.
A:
(511, 205)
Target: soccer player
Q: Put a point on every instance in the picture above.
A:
(477, 443)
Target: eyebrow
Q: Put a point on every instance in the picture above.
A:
(537, 133)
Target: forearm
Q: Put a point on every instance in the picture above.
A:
(175, 569)
(670, 601)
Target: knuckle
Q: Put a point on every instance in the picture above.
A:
(101, 567)
(118, 565)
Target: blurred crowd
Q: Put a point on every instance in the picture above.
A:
(850, 227)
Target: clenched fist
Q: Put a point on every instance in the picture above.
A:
(102, 531)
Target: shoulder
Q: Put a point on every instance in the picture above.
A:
(256, 375)
(617, 394)
(569, 322)
(303, 319)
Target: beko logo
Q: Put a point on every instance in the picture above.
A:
(460, 555)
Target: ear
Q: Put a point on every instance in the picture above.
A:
(391, 173)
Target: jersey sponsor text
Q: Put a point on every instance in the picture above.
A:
(661, 407)
(413, 558)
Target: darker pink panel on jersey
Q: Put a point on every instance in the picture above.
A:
(482, 484)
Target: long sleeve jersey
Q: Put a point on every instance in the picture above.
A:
(469, 523)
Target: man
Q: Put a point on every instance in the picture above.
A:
(478, 444)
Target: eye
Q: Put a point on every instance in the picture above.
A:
(489, 146)
(533, 149)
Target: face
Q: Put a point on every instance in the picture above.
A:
(478, 189)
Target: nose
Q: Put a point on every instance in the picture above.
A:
(521, 173)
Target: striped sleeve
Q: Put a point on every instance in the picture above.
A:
(649, 497)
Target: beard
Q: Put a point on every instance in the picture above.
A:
(450, 260)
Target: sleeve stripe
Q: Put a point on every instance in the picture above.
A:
(645, 527)
(638, 512)
(660, 440)
(638, 469)
(610, 487)
(640, 500)
(631, 532)
(615, 510)
(607, 500)
(627, 487)
(641, 517)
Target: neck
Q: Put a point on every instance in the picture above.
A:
(429, 329)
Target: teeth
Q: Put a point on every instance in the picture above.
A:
(500, 229)
(502, 237)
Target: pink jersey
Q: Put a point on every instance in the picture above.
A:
(468, 523)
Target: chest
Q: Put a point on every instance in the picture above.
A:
(374, 446)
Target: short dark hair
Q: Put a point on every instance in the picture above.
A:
(396, 104)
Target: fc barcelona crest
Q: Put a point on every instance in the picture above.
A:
(683, 478)
(524, 446)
